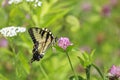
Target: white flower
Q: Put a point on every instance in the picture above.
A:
(36, 0)
(37, 3)
(14, 1)
(29, 0)
(12, 31)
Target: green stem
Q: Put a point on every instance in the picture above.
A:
(43, 71)
(98, 70)
(12, 46)
(88, 72)
(71, 65)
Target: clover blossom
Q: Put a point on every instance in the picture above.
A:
(86, 6)
(113, 2)
(3, 42)
(64, 42)
(11, 31)
(106, 10)
(114, 73)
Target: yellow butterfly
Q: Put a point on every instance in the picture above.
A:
(42, 39)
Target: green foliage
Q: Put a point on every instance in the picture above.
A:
(86, 59)
(68, 49)
(3, 77)
(85, 28)
(98, 70)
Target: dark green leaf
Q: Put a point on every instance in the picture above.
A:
(81, 61)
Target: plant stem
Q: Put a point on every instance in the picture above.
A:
(71, 65)
(43, 71)
(88, 72)
(98, 70)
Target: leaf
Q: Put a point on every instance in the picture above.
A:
(24, 61)
(6, 51)
(51, 18)
(98, 71)
(59, 49)
(92, 53)
(74, 22)
(86, 56)
(35, 19)
(85, 59)
(81, 61)
(3, 18)
(69, 48)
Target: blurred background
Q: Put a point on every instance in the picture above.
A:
(89, 24)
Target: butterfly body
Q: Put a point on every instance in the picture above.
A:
(42, 39)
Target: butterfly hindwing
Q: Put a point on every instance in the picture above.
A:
(42, 39)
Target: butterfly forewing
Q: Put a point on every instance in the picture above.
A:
(35, 34)
(42, 39)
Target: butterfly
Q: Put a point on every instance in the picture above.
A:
(42, 39)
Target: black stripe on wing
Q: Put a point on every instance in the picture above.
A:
(42, 33)
(47, 36)
(30, 30)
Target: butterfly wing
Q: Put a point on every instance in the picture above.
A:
(42, 39)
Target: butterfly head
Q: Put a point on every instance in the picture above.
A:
(56, 39)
